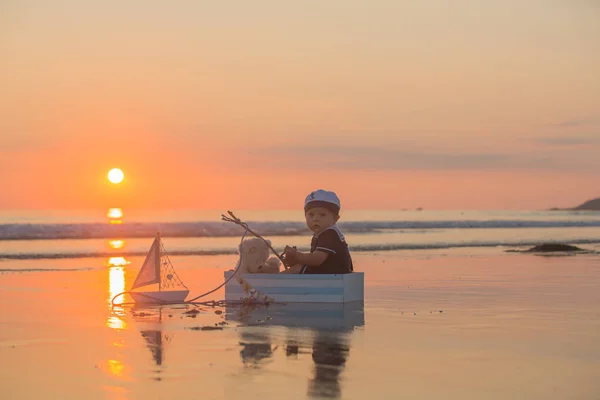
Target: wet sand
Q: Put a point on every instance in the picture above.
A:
(455, 324)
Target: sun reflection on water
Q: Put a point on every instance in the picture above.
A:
(117, 262)
(116, 282)
(116, 314)
(115, 322)
(116, 367)
(116, 285)
(114, 213)
(116, 244)
(117, 392)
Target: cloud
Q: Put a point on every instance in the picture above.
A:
(577, 122)
(19, 143)
(381, 158)
(570, 123)
(569, 141)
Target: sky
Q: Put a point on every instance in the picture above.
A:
(214, 105)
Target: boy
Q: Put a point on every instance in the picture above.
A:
(329, 252)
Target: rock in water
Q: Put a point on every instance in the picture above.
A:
(552, 247)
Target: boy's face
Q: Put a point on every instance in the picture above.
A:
(318, 219)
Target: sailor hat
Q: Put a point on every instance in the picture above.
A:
(322, 198)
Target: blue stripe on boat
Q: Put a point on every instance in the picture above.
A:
(295, 290)
(309, 277)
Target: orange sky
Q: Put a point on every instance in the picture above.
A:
(393, 104)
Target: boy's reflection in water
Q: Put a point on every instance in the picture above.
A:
(256, 348)
(254, 340)
(330, 352)
(291, 349)
(329, 347)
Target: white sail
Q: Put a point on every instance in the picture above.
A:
(150, 271)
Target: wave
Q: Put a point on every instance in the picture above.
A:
(100, 254)
(222, 229)
(3, 270)
(232, 251)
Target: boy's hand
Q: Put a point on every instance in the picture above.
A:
(291, 255)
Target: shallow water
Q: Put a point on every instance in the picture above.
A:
(435, 324)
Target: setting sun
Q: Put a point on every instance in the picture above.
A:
(115, 175)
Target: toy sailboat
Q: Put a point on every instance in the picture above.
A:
(158, 270)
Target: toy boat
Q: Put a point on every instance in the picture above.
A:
(291, 288)
(296, 288)
(157, 272)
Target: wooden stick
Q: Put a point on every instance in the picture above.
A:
(236, 220)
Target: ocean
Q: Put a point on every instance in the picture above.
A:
(447, 312)
(30, 235)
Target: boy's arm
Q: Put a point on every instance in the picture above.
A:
(326, 244)
(311, 259)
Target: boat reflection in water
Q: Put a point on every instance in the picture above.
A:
(323, 330)
(149, 322)
(318, 316)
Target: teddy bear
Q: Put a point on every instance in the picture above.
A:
(254, 253)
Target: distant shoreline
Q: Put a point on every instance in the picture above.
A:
(590, 205)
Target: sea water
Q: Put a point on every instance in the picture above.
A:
(89, 234)
(448, 313)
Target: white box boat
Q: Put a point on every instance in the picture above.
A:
(297, 288)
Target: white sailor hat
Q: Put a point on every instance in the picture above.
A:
(322, 198)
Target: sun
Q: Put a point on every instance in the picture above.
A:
(115, 175)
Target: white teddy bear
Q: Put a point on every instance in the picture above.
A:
(254, 253)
